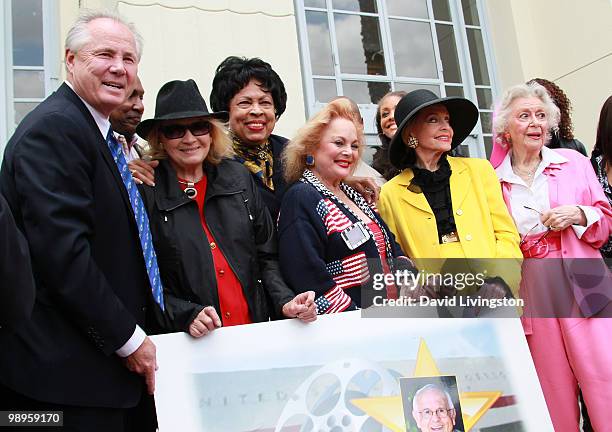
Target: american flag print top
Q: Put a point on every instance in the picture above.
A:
(333, 218)
(348, 272)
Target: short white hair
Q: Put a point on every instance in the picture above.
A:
(79, 35)
(428, 388)
(503, 111)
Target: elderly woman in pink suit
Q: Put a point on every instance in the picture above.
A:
(561, 212)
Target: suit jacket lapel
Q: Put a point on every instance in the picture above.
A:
(411, 196)
(112, 166)
(460, 182)
(69, 94)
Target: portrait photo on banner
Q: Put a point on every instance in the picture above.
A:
(431, 403)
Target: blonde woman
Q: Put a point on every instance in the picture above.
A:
(330, 239)
(212, 232)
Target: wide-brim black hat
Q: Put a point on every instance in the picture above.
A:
(463, 117)
(178, 100)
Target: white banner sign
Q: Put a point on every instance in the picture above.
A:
(342, 373)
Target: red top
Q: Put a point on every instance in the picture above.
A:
(234, 308)
(379, 238)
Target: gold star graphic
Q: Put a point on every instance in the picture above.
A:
(389, 412)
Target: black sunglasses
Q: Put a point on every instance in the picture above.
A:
(174, 131)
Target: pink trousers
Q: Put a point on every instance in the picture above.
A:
(568, 353)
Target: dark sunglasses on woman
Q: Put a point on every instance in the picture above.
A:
(175, 131)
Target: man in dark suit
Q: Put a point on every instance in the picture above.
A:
(16, 281)
(84, 348)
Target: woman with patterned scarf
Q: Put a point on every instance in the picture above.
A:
(254, 95)
(330, 239)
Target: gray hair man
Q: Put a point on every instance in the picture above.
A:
(84, 351)
(433, 409)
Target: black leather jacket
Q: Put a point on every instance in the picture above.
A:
(241, 225)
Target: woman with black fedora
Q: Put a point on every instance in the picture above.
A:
(441, 206)
(213, 234)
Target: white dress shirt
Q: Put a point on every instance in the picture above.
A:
(129, 149)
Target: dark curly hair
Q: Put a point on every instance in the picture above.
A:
(603, 142)
(235, 73)
(566, 129)
(380, 160)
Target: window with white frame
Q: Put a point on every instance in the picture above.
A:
(29, 58)
(365, 48)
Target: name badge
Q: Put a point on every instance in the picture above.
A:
(355, 235)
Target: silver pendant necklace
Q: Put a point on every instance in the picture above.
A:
(190, 190)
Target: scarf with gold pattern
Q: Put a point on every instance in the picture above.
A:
(257, 158)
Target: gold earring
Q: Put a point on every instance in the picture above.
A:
(412, 142)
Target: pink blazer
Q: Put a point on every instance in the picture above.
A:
(570, 183)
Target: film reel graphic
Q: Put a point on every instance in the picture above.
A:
(322, 402)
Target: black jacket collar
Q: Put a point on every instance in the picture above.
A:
(169, 194)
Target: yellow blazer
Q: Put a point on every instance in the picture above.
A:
(484, 226)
